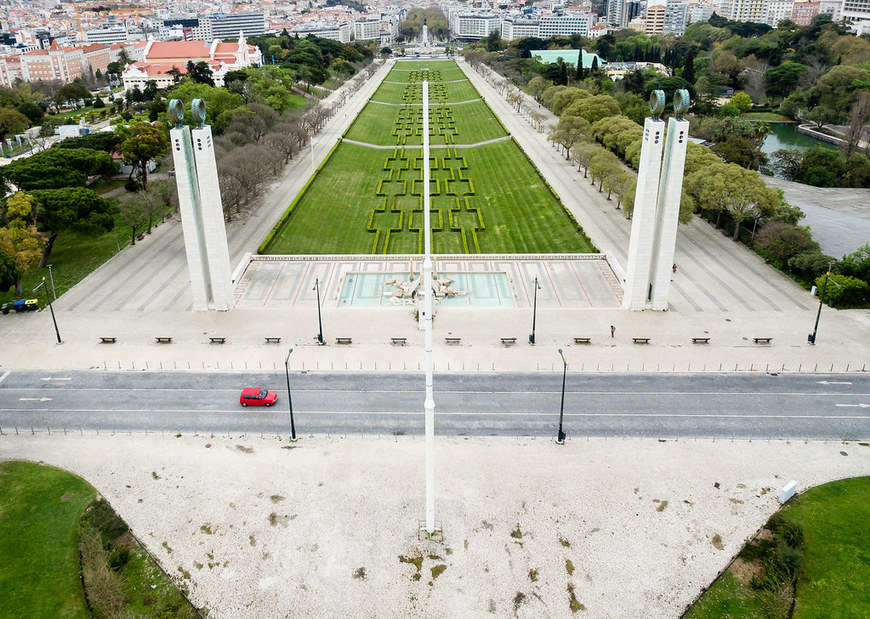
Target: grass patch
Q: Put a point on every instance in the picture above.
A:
(39, 566)
(55, 534)
(487, 199)
(771, 117)
(521, 214)
(819, 542)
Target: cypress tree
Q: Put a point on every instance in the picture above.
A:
(580, 64)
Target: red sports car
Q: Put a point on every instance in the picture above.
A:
(254, 396)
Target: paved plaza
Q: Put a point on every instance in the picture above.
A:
(721, 290)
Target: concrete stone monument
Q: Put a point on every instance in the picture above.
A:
(202, 218)
(656, 206)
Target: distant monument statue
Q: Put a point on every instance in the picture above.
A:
(202, 213)
(656, 206)
(424, 42)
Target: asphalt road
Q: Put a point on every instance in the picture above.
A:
(609, 405)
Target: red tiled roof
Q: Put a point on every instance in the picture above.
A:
(188, 50)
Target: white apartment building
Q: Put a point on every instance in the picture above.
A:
(107, 35)
(573, 22)
(676, 17)
(745, 10)
(857, 14)
(474, 25)
(324, 30)
(834, 8)
(777, 11)
(367, 29)
(699, 12)
(519, 27)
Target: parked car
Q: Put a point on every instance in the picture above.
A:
(255, 396)
(25, 305)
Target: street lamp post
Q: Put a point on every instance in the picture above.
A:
(534, 311)
(560, 438)
(289, 397)
(48, 300)
(811, 338)
(51, 278)
(319, 321)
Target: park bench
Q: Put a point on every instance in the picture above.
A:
(507, 341)
(273, 340)
(217, 340)
(343, 340)
(762, 340)
(641, 340)
(582, 340)
(453, 340)
(163, 340)
(700, 340)
(107, 340)
(399, 340)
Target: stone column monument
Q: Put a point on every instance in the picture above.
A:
(656, 206)
(640, 246)
(202, 219)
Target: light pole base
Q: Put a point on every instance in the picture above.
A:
(560, 439)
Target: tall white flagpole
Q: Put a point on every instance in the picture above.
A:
(429, 404)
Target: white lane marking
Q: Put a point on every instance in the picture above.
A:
(5, 374)
(832, 382)
(56, 378)
(34, 399)
(852, 405)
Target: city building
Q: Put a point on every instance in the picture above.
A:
(367, 29)
(654, 22)
(676, 17)
(571, 22)
(745, 10)
(107, 35)
(324, 30)
(834, 8)
(856, 13)
(473, 26)
(160, 57)
(55, 63)
(803, 13)
(777, 11)
(519, 28)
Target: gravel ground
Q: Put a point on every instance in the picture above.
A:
(252, 527)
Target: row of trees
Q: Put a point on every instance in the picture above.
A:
(594, 131)
(259, 126)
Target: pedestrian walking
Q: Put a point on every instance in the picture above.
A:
(612, 331)
(675, 268)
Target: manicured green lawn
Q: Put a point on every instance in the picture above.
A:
(520, 214)
(835, 581)
(835, 576)
(485, 199)
(40, 507)
(473, 121)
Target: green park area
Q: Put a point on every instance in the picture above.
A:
(812, 559)
(486, 198)
(65, 553)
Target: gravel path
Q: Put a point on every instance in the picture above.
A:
(255, 527)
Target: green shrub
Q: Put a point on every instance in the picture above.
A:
(118, 557)
(856, 264)
(780, 241)
(790, 533)
(845, 291)
(809, 264)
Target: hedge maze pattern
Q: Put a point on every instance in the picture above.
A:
(401, 187)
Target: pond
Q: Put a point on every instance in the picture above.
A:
(785, 135)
